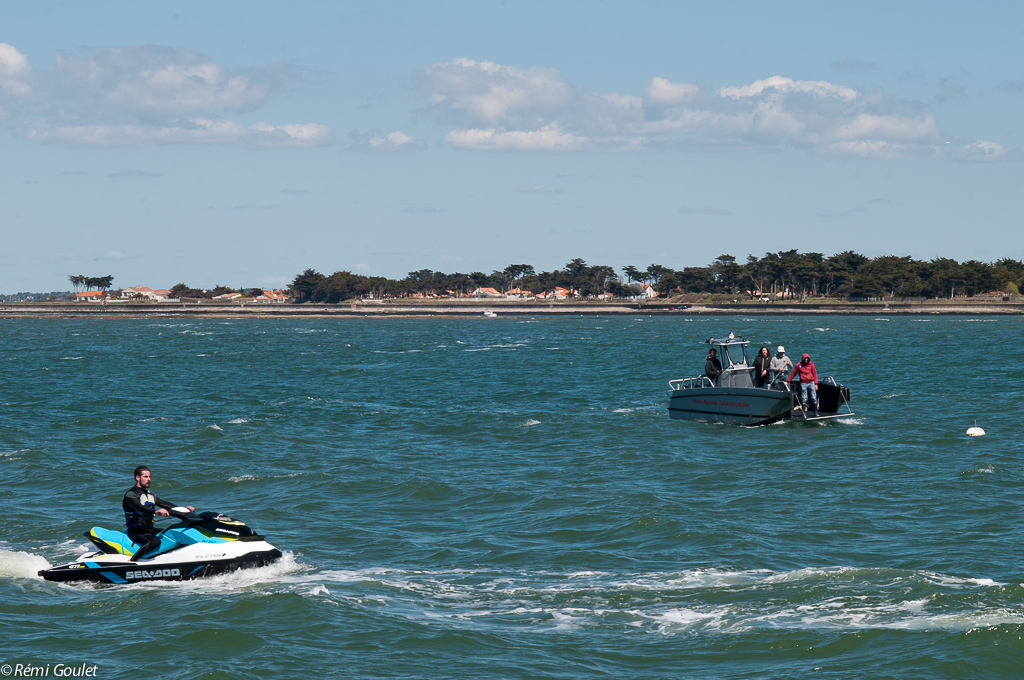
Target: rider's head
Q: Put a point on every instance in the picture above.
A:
(805, 359)
(142, 476)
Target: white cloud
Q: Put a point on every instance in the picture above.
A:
(488, 93)
(663, 92)
(503, 108)
(777, 85)
(983, 151)
(15, 72)
(867, 149)
(196, 131)
(548, 138)
(392, 142)
(161, 82)
(144, 95)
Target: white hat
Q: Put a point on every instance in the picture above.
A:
(782, 350)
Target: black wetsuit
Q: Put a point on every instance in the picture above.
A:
(713, 368)
(139, 507)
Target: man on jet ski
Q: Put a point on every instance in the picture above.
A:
(139, 508)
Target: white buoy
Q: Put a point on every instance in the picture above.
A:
(975, 431)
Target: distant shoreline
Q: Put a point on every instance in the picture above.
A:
(471, 309)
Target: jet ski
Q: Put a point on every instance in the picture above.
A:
(200, 544)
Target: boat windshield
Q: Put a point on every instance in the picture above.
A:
(734, 355)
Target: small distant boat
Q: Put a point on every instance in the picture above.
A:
(733, 397)
(490, 314)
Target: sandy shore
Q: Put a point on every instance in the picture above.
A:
(454, 309)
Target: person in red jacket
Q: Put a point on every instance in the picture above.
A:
(808, 383)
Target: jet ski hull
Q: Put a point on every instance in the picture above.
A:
(99, 568)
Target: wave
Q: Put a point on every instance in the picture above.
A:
(703, 601)
(253, 478)
(717, 601)
(850, 421)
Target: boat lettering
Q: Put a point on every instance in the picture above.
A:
(708, 402)
(154, 573)
(739, 404)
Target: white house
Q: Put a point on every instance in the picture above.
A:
(271, 296)
(138, 290)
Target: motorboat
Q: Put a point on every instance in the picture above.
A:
(199, 545)
(734, 398)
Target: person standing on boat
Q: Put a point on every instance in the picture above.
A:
(139, 506)
(713, 367)
(808, 383)
(762, 364)
(781, 364)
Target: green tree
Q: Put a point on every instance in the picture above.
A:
(632, 273)
(305, 285)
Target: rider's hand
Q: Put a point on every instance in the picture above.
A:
(190, 508)
(162, 512)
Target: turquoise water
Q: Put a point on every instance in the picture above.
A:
(508, 498)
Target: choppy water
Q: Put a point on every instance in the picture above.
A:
(509, 498)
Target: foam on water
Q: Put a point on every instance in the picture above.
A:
(850, 421)
(17, 564)
(544, 601)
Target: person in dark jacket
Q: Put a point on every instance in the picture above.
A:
(713, 367)
(808, 383)
(139, 507)
(762, 363)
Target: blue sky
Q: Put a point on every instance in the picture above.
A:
(238, 143)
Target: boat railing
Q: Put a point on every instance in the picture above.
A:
(690, 383)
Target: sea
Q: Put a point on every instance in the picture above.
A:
(509, 498)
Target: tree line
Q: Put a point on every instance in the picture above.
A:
(90, 282)
(783, 275)
(178, 290)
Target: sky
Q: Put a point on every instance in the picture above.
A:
(240, 143)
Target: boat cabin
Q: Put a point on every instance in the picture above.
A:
(736, 372)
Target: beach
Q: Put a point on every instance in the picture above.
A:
(474, 308)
